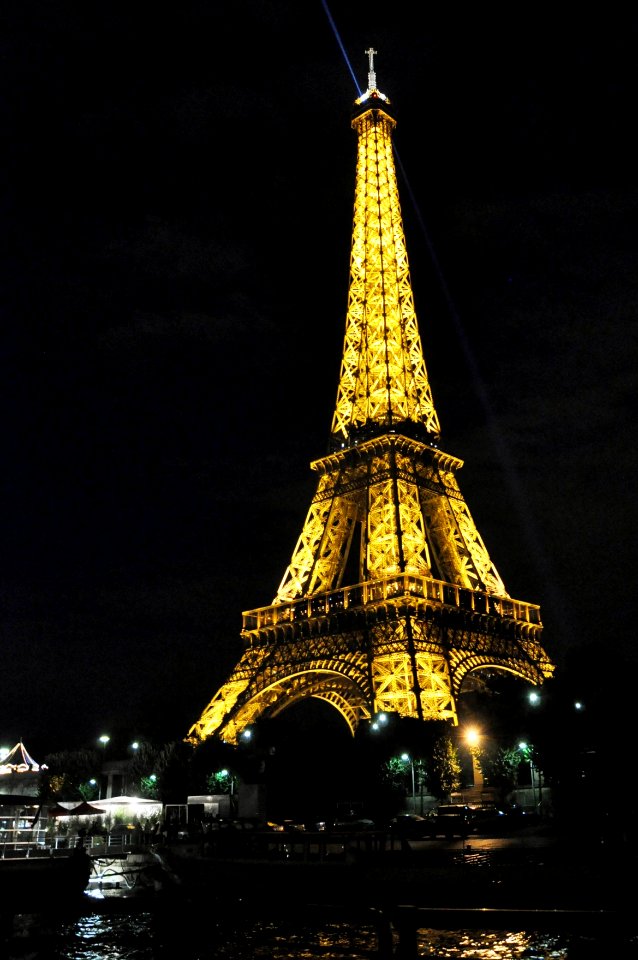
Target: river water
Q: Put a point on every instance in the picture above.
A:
(141, 934)
(213, 922)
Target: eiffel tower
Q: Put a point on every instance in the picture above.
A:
(391, 599)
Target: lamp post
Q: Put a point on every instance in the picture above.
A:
(408, 759)
(472, 737)
(527, 753)
(104, 739)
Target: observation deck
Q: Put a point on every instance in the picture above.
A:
(403, 593)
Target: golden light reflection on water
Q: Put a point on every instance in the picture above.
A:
(138, 937)
(490, 945)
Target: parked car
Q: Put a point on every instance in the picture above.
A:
(242, 824)
(410, 826)
(450, 820)
(495, 822)
(356, 825)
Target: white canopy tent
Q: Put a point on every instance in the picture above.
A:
(131, 806)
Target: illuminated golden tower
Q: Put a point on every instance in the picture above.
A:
(391, 599)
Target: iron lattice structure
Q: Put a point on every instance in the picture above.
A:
(391, 599)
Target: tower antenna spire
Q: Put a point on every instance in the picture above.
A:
(372, 78)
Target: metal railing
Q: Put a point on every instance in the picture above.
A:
(391, 589)
(40, 843)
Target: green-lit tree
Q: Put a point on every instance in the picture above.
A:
(205, 762)
(444, 774)
(222, 781)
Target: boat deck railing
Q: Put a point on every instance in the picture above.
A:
(38, 843)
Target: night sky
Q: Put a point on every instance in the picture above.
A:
(177, 223)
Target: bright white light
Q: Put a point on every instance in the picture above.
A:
(104, 739)
(534, 697)
(472, 736)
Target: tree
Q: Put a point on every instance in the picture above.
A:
(144, 768)
(445, 770)
(499, 766)
(69, 775)
(171, 771)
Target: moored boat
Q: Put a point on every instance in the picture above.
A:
(28, 882)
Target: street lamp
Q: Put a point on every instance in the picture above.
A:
(408, 759)
(472, 737)
(227, 777)
(379, 721)
(527, 753)
(104, 739)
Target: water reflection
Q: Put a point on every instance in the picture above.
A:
(97, 937)
(142, 937)
(491, 945)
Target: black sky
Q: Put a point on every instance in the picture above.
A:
(177, 223)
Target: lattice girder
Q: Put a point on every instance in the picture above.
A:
(407, 495)
(383, 378)
(395, 689)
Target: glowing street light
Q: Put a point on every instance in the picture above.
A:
(379, 721)
(225, 776)
(472, 737)
(526, 750)
(408, 759)
(104, 739)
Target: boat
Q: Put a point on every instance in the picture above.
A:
(43, 880)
